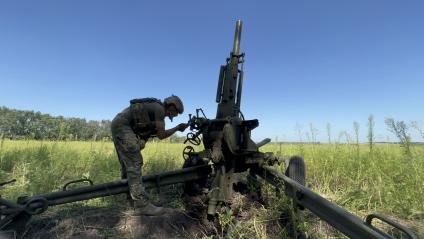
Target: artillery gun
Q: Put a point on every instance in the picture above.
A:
(228, 151)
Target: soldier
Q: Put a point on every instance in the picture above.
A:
(131, 129)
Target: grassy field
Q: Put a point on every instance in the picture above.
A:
(383, 180)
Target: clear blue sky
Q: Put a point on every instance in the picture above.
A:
(306, 61)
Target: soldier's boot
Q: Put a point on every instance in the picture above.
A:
(144, 207)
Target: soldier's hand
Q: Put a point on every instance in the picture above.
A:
(181, 127)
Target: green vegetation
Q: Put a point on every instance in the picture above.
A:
(25, 124)
(347, 174)
(363, 179)
(43, 166)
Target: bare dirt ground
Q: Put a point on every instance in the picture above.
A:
(77, 221)
(95, 223)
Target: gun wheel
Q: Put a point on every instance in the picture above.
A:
(193, 139)
(187, 151)
(296, 169)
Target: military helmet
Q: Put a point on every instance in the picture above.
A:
(176, 101)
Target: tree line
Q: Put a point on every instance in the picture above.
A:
(25, 124)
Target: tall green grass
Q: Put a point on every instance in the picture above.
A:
(44, 166)
(361, 178)
(380, 181)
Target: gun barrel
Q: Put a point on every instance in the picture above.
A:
(237, 37)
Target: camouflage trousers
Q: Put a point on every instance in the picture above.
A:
(128, 147)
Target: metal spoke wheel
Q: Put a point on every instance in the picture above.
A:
(188, 150)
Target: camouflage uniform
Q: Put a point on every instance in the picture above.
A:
(130, 131)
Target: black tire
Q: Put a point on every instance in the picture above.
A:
(295, 170)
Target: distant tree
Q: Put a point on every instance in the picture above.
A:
(356, 129)
(329, 132)
(19, 124)
(418, 128)
(400, 130)
(314, 132)
(371, 136)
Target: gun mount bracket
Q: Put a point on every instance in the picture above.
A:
(65, 187)
(40, 205)
(385, 219)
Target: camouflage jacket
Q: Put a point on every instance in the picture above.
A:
(141, 116)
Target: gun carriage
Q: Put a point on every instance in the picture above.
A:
(228, 151)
